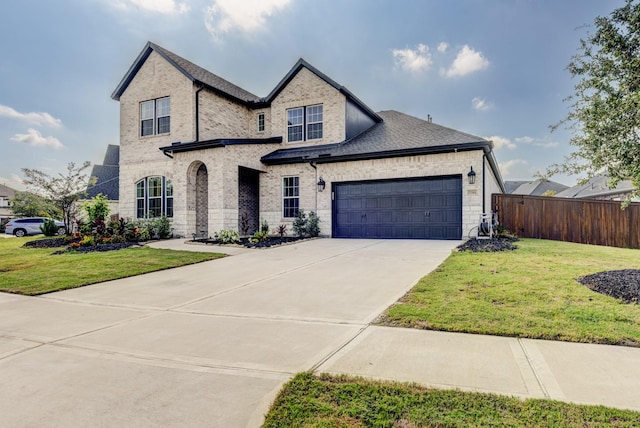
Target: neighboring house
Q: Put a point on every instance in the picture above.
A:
(598, 188)
(6, 194)
(107, 178)
(533, 188)
(212, 156)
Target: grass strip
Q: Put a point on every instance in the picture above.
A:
(339, 401)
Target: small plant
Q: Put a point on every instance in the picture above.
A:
(228, 237)
(49, 227)
(281, 230)
(87, 241)
(97, 208)
(261, 235)
(264, 228)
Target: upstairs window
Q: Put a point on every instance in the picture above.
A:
(154, 197)
(304, 123)
(155, 117)
(260, 122)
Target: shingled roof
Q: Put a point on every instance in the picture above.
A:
(397, 135)
(107, 175)
(193, 72)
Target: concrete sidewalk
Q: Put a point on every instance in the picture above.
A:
(527, 368)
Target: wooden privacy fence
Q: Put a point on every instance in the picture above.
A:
(574, 220)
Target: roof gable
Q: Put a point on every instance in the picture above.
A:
(298, 66)
(193, 72)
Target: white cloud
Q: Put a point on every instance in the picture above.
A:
(167, 7)
(40, 118)
(414, 61)
(506, 167)
(33, 137)
(500, 142)
(442, 47)
(467, 61)
(246, 15)
(480, 104)
(538, 142)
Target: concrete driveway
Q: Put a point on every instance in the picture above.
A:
(202, 345)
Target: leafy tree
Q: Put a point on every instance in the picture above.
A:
(63, 190)
(29, 204)
(604, 116)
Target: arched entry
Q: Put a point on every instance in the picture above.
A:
(198, 200)
(202, 202)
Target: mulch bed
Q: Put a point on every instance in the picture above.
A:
(491, 245)
(271, 242)
(61, 242)
(620, 284)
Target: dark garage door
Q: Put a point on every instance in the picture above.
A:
(416, 208)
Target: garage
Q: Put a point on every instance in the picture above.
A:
(414, 208)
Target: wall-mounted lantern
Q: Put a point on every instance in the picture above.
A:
(321, 185)
(472, 176)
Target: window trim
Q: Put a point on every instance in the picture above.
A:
(304, 125)
(155, 117)
(166, 199)
(295, 196)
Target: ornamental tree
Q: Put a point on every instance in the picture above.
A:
(63, 190)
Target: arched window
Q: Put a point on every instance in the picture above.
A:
(154, 197)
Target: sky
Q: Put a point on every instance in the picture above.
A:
(491, 68)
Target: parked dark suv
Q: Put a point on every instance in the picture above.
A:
(30, 226)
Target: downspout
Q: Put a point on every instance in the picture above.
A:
(200, 88)
(316, 180)
(484, 155)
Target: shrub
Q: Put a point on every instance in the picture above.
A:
(313, 228)
(228, 237)
(244, 224)
(162, 227)
(303, 226)
(97, 208)
(300, 224)
(264, 228)
(49, 227)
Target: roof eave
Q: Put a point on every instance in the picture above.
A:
(480, 145)
(220, 142)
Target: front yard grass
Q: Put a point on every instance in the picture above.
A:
(330, 401)
(33, 271)
(530, 292)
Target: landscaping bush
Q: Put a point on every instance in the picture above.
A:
(49, 228)
(228, 237)
(306, 226)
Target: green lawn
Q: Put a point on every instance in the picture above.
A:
(36, 271)
(530, 292)
(328, 401)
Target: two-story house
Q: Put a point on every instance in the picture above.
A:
(6, 194)
(212, 156)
